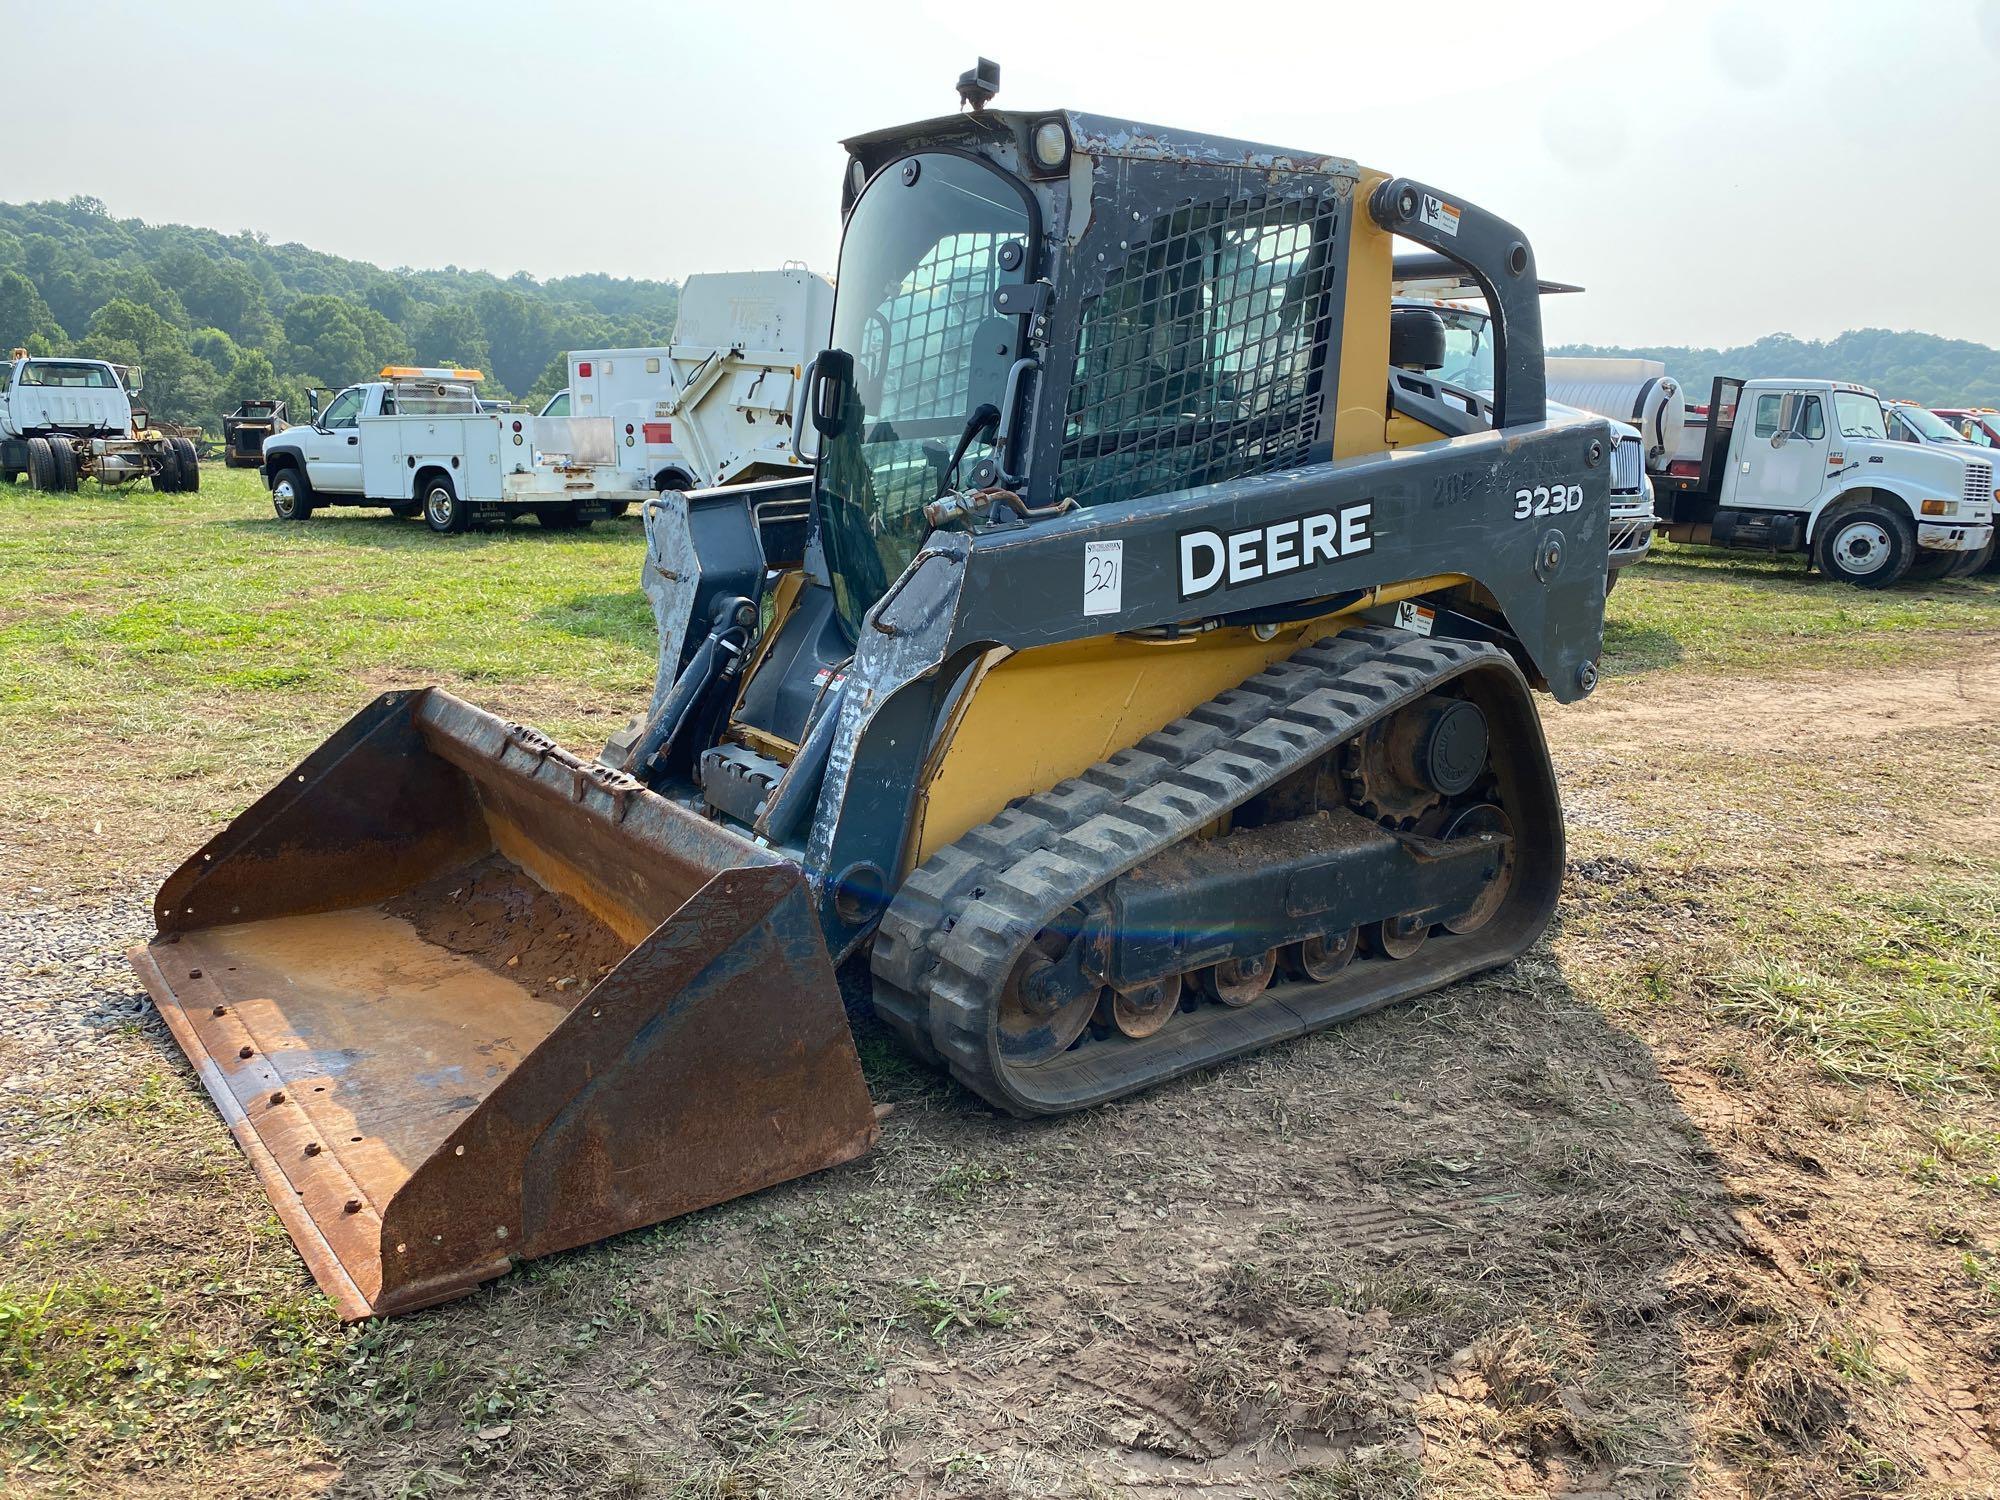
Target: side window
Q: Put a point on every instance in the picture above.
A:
(344, 410)
(558, 406)
(1767, 415)
(1202, 358)
(1812, 421)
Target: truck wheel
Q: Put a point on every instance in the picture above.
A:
(1929, 565)
(1965, 564)
(167, 476)
(444, 512)
(291, 496)
(1869, 546)
(62, 467)
(189, 461)
(40, 458)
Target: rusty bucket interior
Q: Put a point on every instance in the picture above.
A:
(465, 1000)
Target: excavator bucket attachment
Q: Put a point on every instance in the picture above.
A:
(465, 1000)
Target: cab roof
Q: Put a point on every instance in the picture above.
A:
(1105, 135)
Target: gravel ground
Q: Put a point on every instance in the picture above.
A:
(70, 1008)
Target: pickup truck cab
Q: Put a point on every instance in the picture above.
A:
(1977, 425)
(420, 442)
(1808, 466)
(1911, 423)
(1467, 366)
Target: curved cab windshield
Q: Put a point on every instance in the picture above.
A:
(1859, 415)
(1929, 426)
(926, 247)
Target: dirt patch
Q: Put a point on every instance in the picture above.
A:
(494, 913)
(1735, 714)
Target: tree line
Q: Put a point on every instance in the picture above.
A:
(216, 319)
(1920, 367)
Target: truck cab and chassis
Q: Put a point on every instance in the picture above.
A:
(1807, 466)
(63, 420)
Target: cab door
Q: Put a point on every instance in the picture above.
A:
(333, 447)
(1781, 451)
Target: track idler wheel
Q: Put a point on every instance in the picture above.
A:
(1238, 981)
(1398, 937)
(1322, 958)
(1142, 1011)
(1484, 819)
(1036, 1024)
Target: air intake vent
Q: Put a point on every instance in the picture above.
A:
(1978, 482)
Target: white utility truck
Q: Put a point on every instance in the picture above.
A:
(65, 420)
(1808, 466)
(419, 442)
(714, 407)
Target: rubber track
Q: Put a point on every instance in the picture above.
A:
(959, 923)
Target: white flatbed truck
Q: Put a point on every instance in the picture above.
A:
(1808, 466)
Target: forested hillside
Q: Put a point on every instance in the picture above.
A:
(1912, 366)
(215, 318)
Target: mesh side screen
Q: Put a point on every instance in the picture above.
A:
(1203, 357)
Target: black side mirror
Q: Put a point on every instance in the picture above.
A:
(833, 377)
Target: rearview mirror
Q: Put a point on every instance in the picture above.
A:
(833, 377)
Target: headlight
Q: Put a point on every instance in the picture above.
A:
(1940, 507)
(1628, 466)
(1050, 145)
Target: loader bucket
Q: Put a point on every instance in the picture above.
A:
(465, 1000)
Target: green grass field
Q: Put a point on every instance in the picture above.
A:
(1779, 904)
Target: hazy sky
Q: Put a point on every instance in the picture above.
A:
(1710, 172)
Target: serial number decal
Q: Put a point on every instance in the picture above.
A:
(1547, 500)
(1227, 559)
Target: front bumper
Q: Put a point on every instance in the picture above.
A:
(1940, 536)
(546, 485)
(1631, 531)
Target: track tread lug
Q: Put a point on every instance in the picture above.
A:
(976, 904)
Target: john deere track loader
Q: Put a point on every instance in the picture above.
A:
(1143, 677)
